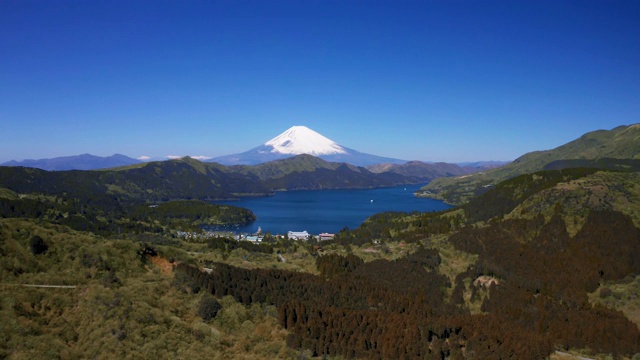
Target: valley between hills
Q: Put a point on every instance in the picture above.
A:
(539, 259)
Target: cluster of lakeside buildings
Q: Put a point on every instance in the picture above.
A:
(257, 237)
(304, 235)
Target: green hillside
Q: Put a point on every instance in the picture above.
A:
(155, 181)
(578, 189)
(188, 178)
(421, 170)
(306, 172)
(540, 263)
(622, 142)
(280, 168)
(118, 303)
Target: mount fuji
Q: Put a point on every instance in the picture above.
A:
(299, 140)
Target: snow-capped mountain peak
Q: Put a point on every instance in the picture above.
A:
(299, 140)
(302, 140)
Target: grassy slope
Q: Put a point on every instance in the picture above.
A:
(8, 194)
(122, 307)
(602, 190)
(624, 295)
(127, 307)
(619, 143)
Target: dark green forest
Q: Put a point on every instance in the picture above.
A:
(109, 217)
(401, 309)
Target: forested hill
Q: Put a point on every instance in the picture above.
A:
(408, 309)
(191, 179)
(306, 172)
(548, 246)
(102, 201)
(156, 181)
(423, 171)
(621, 143)
(543, 262)
(575, 190)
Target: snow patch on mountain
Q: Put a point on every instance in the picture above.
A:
(299, 140)
(302, 140)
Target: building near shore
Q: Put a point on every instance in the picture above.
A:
(298, 235)
(326, 236)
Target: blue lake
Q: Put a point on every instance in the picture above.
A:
(329, 211)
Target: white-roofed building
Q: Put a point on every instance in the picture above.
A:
(298, 235)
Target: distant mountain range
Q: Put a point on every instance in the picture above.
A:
(188, 178)
(77, 162)
(299, 140)
(599, 149)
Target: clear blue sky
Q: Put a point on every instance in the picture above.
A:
(417, 80)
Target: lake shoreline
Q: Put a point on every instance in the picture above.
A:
(328, 211)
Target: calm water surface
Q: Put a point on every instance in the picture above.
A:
(319, 211)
